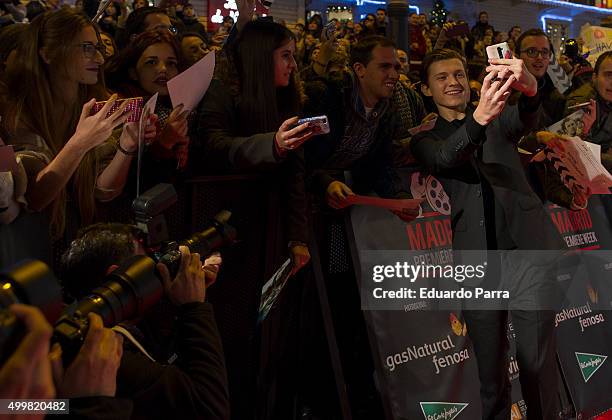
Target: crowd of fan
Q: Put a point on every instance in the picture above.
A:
(54, 68)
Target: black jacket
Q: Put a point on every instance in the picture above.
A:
(335, 98)
(492, 203)
(224, 145)
(194, 386)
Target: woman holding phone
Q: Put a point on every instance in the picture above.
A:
(65, 151)
(248, 120)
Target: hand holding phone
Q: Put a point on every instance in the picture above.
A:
(93, 130)
(505, 66)
(291, 135)
(330, 31)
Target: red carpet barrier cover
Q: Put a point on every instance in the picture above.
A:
(426, 367)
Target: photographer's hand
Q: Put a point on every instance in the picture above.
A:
(27, 373)
(93, 373)
(211, 267)
(188, 285)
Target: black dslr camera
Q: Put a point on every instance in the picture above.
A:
(127, 293)
(135, 286)
(148, 211)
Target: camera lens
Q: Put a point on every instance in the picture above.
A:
(30, 282)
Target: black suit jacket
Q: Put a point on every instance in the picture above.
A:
(492, 203)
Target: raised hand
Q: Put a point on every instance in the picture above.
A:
(524, 81)
(93, 130)
(129, 136)
(289, 137)
(493, 96)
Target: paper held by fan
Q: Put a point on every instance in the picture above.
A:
(147, 110)
(394, 204)
(579, 164)
(189, 87)
(272, 289)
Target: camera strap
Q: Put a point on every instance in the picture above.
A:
(119, 329)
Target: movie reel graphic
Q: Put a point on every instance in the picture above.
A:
(431, 189)
(437, 197)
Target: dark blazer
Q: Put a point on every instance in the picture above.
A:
(335, 98)
(492, 204)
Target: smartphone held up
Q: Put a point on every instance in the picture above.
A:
(134, 105)
(499, 51)
(318, 125)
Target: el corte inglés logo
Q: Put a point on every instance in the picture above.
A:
(589, 364)
(442, 410)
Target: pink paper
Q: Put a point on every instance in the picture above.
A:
(385, 203)
(189, 87)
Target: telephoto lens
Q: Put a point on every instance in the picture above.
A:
(30, 282)
(128, 293)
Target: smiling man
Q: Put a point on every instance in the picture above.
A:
(362, 117)
(493, 208)
(535, 49)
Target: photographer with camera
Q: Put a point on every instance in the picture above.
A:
(173, 363)
(89, 381)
